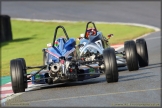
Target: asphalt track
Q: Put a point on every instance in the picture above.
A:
(134, 88)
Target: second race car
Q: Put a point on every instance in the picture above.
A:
(93, 46)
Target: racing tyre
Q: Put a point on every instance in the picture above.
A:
(131, 55)
(142, 52)
(24, 71)
(111, 69)
(17, 76)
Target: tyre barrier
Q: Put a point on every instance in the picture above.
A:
(6, 30)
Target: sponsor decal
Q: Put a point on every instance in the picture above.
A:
(91, 71)
(52, 53)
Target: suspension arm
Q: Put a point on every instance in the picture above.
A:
(38, 71)
(30, 67)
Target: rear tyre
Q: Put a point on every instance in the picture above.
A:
(142, 52)
(24, 71)
(131, 55)
(111, 70)
(17, 76)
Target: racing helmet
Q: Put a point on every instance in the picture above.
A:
(91, 31)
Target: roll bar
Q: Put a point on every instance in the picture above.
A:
(55, 33)
(87, 27)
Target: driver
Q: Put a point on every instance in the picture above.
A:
(90, 31)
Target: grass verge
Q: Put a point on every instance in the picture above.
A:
(30, 37)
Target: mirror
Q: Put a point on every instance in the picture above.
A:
(110, 35)
(81, 36)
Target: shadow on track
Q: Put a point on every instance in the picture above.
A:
(150, 66)
(137, 78)
(139, 74)
(155, 65)
(78, 83)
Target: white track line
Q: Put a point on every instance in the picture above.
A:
(134, 24)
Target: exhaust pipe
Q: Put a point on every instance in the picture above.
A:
(55, 67)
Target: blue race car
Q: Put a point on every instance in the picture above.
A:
(93, 42)
(62, 63)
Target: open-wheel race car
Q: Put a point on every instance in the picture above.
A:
(62, 64)
(95, 46)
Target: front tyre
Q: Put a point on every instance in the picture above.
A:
(17, 76)
(111, 69)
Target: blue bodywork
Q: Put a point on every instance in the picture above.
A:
(91, 38)
(63, 49)
(84, 41)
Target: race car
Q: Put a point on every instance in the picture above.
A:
(63, 64)
(134, 55)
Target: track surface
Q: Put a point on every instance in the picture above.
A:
(133, 88)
